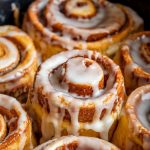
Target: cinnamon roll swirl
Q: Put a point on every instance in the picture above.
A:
(77, 92)
(134, 60)
(79, 24)
(133, 131)
(77, 143)
(15, 125)
(18, 62)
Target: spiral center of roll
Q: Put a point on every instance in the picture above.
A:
(145, 52)
(9, 56)
(79, 8)
(143, 110)
(83, 76)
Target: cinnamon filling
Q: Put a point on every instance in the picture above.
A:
(139, 49)
(75, 146)
(81, 4)
(79, 76)
(8, 122)
(71, 146)
(145, 52)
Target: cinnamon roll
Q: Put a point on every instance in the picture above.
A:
(77, 143)
(15, 125)
(18, 62)
(133, 131)
(77, 92)
(79, 24)
(134, 60)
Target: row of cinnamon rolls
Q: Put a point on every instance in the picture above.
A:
(76, 92)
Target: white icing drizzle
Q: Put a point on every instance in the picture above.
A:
(74, 103)
(97, 24)
(109, 19)
(22, 141)
(76, 69)
(143, 110)
(135, 46)
(15, 33)
(10, 104)
(83, 143)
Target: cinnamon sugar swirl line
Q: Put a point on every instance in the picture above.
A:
(15, 125)
(18, 62)
(134, 60)
(77, 92)
(79, 24)
(77, 143)
(133, 131)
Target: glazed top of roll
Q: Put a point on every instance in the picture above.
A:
(77, 78)
(77, 143)
(17, 53)
(80, 20)
(136, 49)
(138, 110)
(94, 74)
(13, 122)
